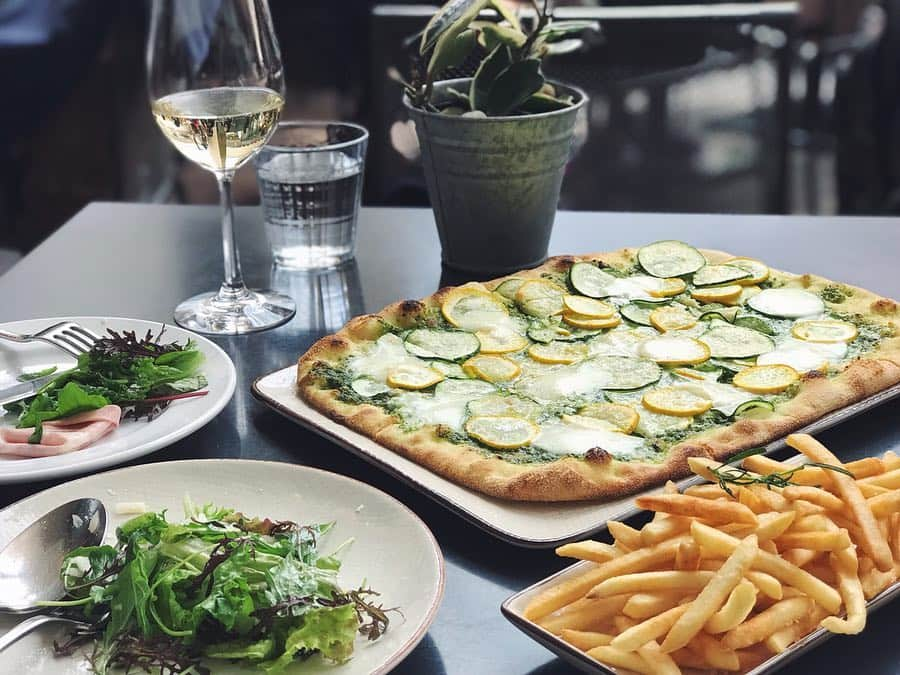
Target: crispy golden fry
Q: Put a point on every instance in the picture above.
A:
(667, 580)
(660, 530)
(652, 628)
(621, 659)
(761, 626)
(703, 467)
(889, 480)
(670, 487)
(765, 465)
(813, 523)
(622, 623)
(688, 658)
(846, 568)
(658, 661)
(894, 526)
(769, 547)
(804, 508)
(766, 584)
(781, 639)
(585, 640)
(823, 571)
(815, 495)
(723, 544)
(865, 467)
(874, 580)
(644, 605)
(622, 548)
(585, 614)
(872, 542)
(772, 525)
(706, 491)
(816, 541)
(868, 490)
(890, 460)
(571, 590)
(719, 511)
(800, 557)
(749, 499)
(750, 658)
(713, 595)
(771, 499)
(714, 653)
(588, 550)
(735, 610)
(687, 557)
(625, 534)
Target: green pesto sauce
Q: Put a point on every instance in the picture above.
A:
(870, 334)
(835, 293)
(707, 420)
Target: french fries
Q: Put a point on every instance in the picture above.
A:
(719, 581)
(873, 542)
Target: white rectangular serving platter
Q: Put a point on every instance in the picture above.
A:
(514, 608)
(528, 524)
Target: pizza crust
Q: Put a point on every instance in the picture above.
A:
(600, 477)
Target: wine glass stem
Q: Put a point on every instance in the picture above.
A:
(234, 282)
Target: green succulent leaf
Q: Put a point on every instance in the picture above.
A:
(564, 47)
(559, 30)
(507, 12)
(451, 50)
(493, 34)
(495, 63)
(514, 86)
(541, 103)
(453, 17)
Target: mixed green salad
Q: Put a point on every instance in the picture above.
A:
(141, 375)
(219, 585)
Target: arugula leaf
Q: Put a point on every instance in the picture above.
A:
(130, 595)
(99, 559)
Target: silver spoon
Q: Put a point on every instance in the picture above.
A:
(30, 564)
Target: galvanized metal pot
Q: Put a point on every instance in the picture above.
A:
(494, 182)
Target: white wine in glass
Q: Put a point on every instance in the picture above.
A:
(216, 88)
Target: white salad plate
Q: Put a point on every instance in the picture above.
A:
(393, 552)
(132, 438)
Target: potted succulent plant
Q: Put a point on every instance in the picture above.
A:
(494, 146)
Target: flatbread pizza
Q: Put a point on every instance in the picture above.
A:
(596, 376)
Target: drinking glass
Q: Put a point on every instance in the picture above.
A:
(310, 182)
(216, 87)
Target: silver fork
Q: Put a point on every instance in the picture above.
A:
(66, 335)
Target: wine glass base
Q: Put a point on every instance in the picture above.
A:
(248, 312)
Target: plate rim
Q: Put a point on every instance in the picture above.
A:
(831, 419)
(90, 466)
(409, 645)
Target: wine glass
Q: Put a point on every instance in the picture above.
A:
(216, 87)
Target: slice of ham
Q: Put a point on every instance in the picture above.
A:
(62, 436)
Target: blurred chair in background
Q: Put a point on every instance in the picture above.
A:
(689, 108)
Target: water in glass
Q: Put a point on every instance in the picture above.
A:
(310, 180)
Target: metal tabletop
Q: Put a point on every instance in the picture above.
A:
(139, 261)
